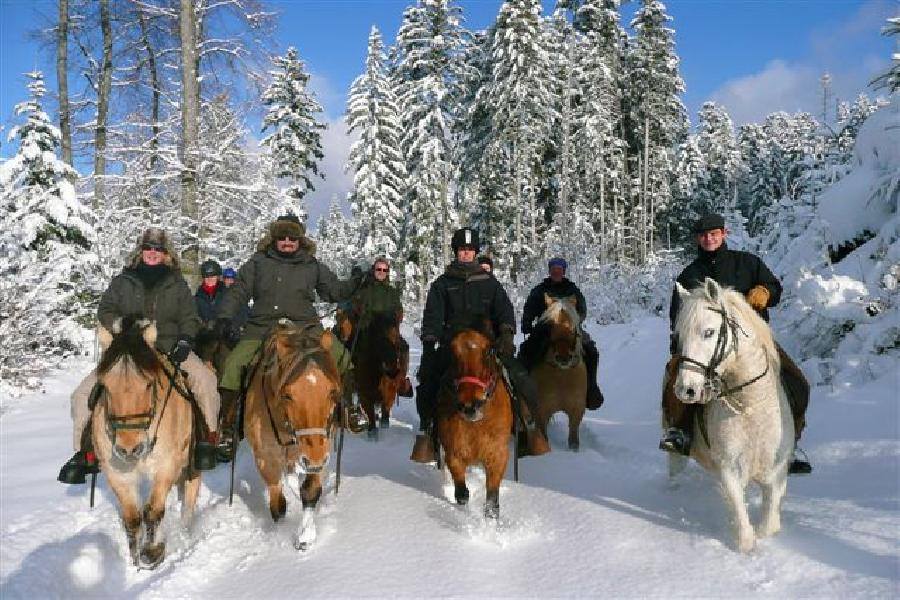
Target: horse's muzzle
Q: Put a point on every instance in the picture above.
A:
(131, 456)
(472, 412)
(306, 467)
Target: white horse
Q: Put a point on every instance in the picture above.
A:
(745, 431)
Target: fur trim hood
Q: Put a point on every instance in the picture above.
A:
(155, 235)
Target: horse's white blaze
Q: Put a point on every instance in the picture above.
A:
(751, 432)
(311, 377)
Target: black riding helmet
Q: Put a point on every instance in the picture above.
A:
(210, 268)
(465, 237)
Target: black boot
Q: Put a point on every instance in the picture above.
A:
(594, 398)
(206, 453)
(78, 467)
(799, 464)
(228, 417)
(676, 440)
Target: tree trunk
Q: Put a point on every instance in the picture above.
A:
(62, 80)
(190, 121)
(103, 92)
(154, 84)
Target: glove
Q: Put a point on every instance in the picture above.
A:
(506, 346)
(224, 329)
(180, 352)
(758, 297)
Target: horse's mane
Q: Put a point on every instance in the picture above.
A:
(304, 347)
(129, 349)
(734, 304)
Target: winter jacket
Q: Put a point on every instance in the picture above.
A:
(461, 292)
(169, 303)
(375, 297)
(536, 304)
(732, 268)
(283, 287)
(208, 305)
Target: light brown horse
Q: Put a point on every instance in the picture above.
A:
(561, 376)
(142, 426)
(474, 417)
(289, 416)
(381, 364)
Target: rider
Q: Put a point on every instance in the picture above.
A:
(377, 295)
(280, 278)
(557, 286)
(210, 293)
(150, 286)
(747, 274)
(462, 291)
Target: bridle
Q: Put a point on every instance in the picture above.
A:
(713, 383)
(488, 386)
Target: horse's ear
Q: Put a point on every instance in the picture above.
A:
(104, 337)
(282, 347)
(327, 340)
(548, 299)
(149, 333)
(713, 290)
(682, 292)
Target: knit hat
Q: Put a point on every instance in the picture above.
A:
(557, 261)
(229, 273)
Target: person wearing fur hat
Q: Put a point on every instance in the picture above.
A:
(152, 286)
(557, 285)
(283, 279)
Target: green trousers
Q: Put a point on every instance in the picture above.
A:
(243, 353)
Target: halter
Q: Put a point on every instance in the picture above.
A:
(713, 383)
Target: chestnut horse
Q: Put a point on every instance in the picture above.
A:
(289, 416)
(474, 416)
(381, 366)
(142, 426)
(561, 376)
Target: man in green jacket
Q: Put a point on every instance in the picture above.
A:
(283, 279)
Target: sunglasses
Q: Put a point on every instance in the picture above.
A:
(381, 270)
(156, 247)
(288, 238)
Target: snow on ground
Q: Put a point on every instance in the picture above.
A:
(601, 522)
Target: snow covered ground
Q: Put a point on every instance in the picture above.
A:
(601, 522)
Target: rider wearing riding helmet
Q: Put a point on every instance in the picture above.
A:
(150, 286)
(465, 290)
(747, 274)
(556, 285)
(209, 293)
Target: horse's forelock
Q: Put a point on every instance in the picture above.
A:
(129, 351)
(559, 308)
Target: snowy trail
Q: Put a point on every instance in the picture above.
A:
(604, 521)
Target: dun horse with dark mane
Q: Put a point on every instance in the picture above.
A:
(290, 411)
(143, 426)
(474, 415)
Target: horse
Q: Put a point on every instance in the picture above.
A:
(730, 365)
(343, 325)
(290, 414)
(381, 366)
(142, 425)
(474, 416)
(561, 377)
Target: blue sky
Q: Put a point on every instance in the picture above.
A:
(754, 56)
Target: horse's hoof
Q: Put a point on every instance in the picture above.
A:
(491, 510)
(279, 511)
(372, 434)
(462, 494)
(574, 445)
(152, 555)
(301, 546)
(384, 422)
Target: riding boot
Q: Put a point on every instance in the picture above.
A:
(532, 441)
(227, 422)
(799, 464)
(83, 463)
(591, 361)
(406, 389)
(423, 448)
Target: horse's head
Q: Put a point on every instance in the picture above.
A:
(561, 316)
(307, 390)
(712, 324)
(475, 372)
(129, 372)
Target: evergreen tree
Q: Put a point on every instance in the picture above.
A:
(716, 141)
(295, 140)
(379, 170)
(337, 240)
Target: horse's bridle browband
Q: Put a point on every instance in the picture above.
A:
(713, 382)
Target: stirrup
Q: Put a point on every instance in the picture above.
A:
(799, 463)
(676, 440)
(356, 419)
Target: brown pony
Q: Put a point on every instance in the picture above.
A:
(142, 426)
(343, 325)
(561, 376)
(474, 416)
(289, 416)
(381, 366)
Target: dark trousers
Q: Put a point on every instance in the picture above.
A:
(680, 415)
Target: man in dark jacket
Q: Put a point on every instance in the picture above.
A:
(463, 291)
(150, 286)
(210, 293)
(282, 278)
(556, 286)
(747, 274)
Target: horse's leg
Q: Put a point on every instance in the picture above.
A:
(733, 492)
(152, 552)
(772, 495)
(575, 415)
(125, 489)
(368, 405)
(493, 469)
(458, 473)
(310, 492)
(191, 490)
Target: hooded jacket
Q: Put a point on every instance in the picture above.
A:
(464, 290)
